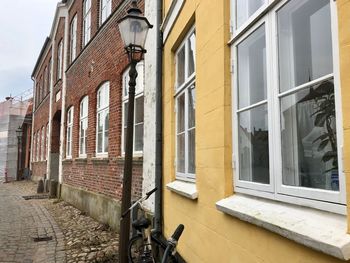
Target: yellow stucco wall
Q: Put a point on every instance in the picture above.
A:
(211, 236)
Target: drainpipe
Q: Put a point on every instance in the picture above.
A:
(158, 211)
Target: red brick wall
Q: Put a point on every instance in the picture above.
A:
(103, 59)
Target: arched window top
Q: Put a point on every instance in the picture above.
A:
(103, 96)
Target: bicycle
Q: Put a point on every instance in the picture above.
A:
(148, 246)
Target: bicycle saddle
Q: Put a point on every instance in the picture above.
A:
(141, 223)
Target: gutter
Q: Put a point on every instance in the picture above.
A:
(158, 210)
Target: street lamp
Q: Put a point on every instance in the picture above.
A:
(19, 133)
(133, 29)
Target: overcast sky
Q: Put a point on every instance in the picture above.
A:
(24, 26)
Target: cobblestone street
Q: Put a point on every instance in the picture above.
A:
(23, 221)
(43, 230)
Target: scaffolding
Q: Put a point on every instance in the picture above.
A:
(13, 112)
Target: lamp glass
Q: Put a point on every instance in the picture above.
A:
(134, 31)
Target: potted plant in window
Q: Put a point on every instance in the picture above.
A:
(324, 116)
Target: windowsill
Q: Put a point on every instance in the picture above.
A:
(319, 230)
(185, 189)
(100, 159)
(80, 160)
(67, 160)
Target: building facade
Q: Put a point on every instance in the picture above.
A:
(256, 141)
(81, 88)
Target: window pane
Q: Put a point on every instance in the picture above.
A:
(99, 142)
(245, 9)
(252, 80)
(181, 153)
(180, 67)
(126, 109)
(191, 54)
(191, 151)
(304, 43)
(139, 110)
(106, 133)
(309, 143)
(191, 108)
(181, 113)
(138, 137)
(254, 145)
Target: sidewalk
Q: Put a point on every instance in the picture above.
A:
(28, 233)
(75, 236)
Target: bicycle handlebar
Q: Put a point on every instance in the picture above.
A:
(148, 194)
(178, 232)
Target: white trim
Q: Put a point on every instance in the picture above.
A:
(102, 109)
(86, 17)
(82, 119)
(322, 231)
(322, 199)
(185, 189)
(69, 134)
(73, 37)
(139, 92)
(170, 17)
(189, 84)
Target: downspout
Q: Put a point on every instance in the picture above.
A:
(158, 210)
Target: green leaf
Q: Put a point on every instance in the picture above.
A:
(320, 119)
(323, 144)
(329, 155)
(321, 137)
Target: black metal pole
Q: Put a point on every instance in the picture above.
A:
(19, 155)
(127, 179)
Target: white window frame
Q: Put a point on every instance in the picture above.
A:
(84, 116)
(139, 92)
(321, 199)
(59, 60)
(49, 75)
(47, 141)
(188, 84)
(69, 139)
(42, 144)
(105, 10)
(87, 22)
(38, 146)
(103, 109)
(45, 82)
(73, 38)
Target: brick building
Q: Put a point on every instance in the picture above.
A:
(80, 88)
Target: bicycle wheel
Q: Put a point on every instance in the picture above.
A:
(137, 246)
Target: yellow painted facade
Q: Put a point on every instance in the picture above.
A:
(211, 236)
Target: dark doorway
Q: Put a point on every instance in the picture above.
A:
(55, 145)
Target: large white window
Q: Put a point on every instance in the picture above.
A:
(106, 9)
(46, 88)
(185, 100)
(84, 112)
(47, 141)
(73, 38)
(49, 75)
(59, 60)
(87, 21)
(285, 112)
(42, 144)
(138, 109)
(102, 129)
(70, 113)
(38, 146)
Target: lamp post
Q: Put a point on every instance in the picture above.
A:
(133, 29)
(19, 133)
